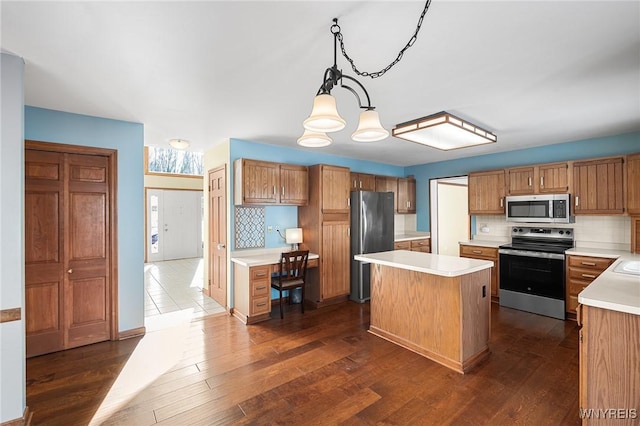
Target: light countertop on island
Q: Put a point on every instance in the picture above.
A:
(435, 264)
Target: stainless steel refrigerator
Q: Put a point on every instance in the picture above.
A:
(371, 232)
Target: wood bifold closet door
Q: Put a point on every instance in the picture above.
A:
(67, 250)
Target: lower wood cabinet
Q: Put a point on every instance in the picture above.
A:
(422, 244)
(609, 366)
(485, 253)
(252, 293)
(581, 271)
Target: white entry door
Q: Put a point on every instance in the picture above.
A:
(174, 224)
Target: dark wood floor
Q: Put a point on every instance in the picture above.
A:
(318, 368)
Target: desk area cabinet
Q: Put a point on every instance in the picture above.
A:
(252, 285)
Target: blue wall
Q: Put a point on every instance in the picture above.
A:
(589, 148)
(61, 127)
(287, 216)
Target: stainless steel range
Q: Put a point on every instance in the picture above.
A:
(532, 270)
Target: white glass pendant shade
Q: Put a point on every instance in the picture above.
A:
(324, 115)
(311, 139)
(369, 128)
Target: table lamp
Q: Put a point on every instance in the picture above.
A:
(293, 236)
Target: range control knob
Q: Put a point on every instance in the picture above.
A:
(568, 232)
(561, 232)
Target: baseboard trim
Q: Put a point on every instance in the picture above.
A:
(25, 420)
(134, 332)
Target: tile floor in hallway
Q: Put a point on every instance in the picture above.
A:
(176, 285)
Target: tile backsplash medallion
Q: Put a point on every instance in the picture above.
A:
(603, 232)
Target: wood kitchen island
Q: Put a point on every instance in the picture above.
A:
(437, 306)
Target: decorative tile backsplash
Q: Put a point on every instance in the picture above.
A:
(249, 227)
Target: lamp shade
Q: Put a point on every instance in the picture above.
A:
(314, 139)
(324, 115)
(293, 235)
(369, 128)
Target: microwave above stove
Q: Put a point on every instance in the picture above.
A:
(548, 208)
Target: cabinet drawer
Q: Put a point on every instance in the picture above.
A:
(260, 305)
(260, 288)
(593, 263)
(420, 245)
(584, 274)
(402, 245)
(576, 286)
(260, 273)
(477, 251)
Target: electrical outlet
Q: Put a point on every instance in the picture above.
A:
(269, 228)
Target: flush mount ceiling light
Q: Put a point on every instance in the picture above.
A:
(179, 143)
(324, 116)
(443, 131)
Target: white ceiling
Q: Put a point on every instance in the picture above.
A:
(534, 73)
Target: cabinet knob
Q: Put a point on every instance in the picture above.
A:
(542, 181)
(577, 200)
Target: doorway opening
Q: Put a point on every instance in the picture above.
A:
(449, 214)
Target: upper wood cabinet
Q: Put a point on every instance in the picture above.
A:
(266, 183)
(540, 179)
(294, 184)
(633, 184)
(388, 184)
(363, 182)
(336, 189)
(406, 195)
(520, 180)
(598, 186)
(553, 178)
(486, 192)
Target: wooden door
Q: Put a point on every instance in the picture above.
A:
(406, 195)
(486, 192)
(554, 178)
(633, 184)
(218, 235)
(87, 290)
(294, 185)
(520, 180)
(598, 186)
(260, 182)
(335, 260)
(336, 189)
(69, 283)
(44, 251)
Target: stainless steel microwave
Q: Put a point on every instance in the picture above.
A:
(549, 208)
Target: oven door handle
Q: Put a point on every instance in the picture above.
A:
(538, 254)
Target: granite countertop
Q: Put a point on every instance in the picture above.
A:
(612, 290)
(435, 264)
(410, 235)
(262, 259)
(483, 243)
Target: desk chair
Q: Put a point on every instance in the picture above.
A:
(292, 274)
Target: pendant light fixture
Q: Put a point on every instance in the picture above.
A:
(324, 115)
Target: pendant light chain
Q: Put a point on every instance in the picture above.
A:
(412, 40)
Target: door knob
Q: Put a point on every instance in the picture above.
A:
(221, 246)
(70, 271)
